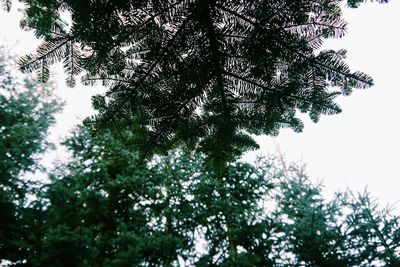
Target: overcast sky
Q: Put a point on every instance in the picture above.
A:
(360, 146)
(356, 148)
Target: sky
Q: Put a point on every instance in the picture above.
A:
(359, 147)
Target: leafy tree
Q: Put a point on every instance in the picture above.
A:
(26, 112)
(203, 73)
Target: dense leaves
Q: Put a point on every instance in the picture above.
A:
(203, 73)
(26, 112)
(104, 208)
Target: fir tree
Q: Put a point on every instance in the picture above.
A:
(27, 110)
(102, 208)
(206, 74)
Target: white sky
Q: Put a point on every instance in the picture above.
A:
(356, 148)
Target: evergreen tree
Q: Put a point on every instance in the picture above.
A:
(206, 73)
(26, 112)
(350, 230)
(105, 209)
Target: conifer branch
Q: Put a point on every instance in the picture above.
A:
(30, 27)
(152, 17)
(216, 55)
(254, 23)
(144, 77)
(26, 65)
(272, 90)
(375, 226)
(115, 79)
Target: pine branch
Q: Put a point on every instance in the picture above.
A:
(152, 17)
(144, 77)
(274, 91)
(312, 23)
(49, 52)
(91, 80)
(218, 61)
(235, 36)
(170, 118)
(246, 19)
(60, 34)
(375, 226)
(71, 64)
(254, 23)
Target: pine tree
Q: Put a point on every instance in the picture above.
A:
(204, 73)
(102, 208)
(27, 110)
(107, 210)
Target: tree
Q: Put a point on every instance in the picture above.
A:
(206, 74)
(26, 112)
(106, 210)
(103, 208)
(350, 230)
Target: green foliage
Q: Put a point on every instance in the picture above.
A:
(26, 112)
(104, 208)
(206, 74)
(347, 231)
(108, 211)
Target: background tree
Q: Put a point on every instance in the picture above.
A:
(349, 230)
(107, 210)
(203, 73)
(103, 208)
(26, 112)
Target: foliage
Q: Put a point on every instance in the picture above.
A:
(26, 112)
(106, 209)
(110, 211)
(206, 74)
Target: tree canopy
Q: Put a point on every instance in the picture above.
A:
(27, 110)
(206, 74)
(102, 209)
